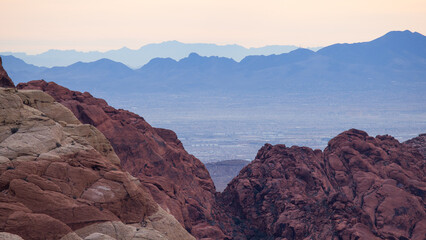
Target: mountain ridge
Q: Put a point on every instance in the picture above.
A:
(358, 187)
(139, 57)
(335, 67)
(61, 179)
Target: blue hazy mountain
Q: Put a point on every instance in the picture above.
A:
(395, 48)
(395, 61)
(137, 58)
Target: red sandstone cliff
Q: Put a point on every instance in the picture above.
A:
(60, 179)
(178, 181)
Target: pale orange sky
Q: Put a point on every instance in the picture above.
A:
(36, 26)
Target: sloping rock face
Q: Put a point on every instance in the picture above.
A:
(178, 181)
(60, 179)
(418, 142)
(5, 80)
(359, 187)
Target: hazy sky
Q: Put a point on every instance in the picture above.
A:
(35, 26)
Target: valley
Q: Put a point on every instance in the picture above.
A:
(222, 127)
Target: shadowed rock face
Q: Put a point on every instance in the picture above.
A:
(5, 80)
(360, 186)
(178, 181)
(62, 179)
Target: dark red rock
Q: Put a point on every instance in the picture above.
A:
(35, 226)
(418, 142)
(5, 80)
(360, 186)
(178, 181)
(59, 176)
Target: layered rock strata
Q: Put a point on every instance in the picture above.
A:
(60, 179)
(178, 181)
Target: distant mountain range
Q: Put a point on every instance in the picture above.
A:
(137, 58)
(395, 61)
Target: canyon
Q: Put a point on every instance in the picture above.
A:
(65, 157)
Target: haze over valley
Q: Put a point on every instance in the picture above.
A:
(226, 109)
(213, 120)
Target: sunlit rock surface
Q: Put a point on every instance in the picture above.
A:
(62, 179)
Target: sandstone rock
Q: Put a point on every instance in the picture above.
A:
(418, 142)
(159, 226)
(5, 80)
(360, 186)
(388, 185)
(178, 181)
(9, 236)
(58, 176)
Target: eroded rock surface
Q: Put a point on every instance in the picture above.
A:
(418, 142)
(58, 176)
(178, 181)
(360, 186)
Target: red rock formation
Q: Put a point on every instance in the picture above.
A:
(178, 181)
(418, 142)
(60, 178)
(5, 80)
(360, 186)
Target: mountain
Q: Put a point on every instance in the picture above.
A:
(136, 58)
(393, 62)
(60, 179)
(357, 187)
(394, 48)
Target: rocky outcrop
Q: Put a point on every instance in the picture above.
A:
(5, 80)
(418, 142)
(178, 181)
(223, 172)
(359, 187)
(60, 179)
